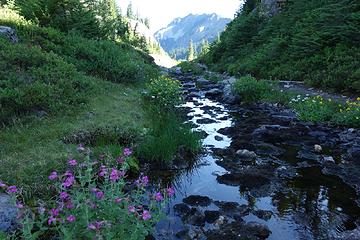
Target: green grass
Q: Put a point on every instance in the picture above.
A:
(29, 151)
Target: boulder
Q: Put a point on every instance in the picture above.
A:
(244, 153)
(8, 213)
(9, 33)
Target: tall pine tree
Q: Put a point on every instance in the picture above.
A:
(191, 51)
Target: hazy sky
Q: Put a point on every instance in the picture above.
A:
(162, 12)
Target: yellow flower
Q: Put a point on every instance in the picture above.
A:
(358, 99)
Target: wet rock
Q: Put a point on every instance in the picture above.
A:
(181, 209)
(197, 200)
(239, 231)
(244, 153)
(193, 95)
(196, 218)
(317, 148)
(211, 216)
(246, 180)
(347, 235)
(8, 213)
(354, 154)
(263, 214)
(305, 154)
(318, 134)
(232, 209)
(213, 93)
(9, 33)
(206, 121)
(328, 159)
(202, 81)
(268, 149)
(218, 138)
(183, 234)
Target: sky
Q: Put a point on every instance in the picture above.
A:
(162, 12)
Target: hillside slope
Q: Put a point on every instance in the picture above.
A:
(312, 41)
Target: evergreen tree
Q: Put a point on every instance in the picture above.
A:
(130, 11)
(204, 47)
(191, 51)
(147, 22)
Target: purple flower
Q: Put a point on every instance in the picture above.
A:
(95, 226)
(120, 160)
(53, 175)
(72, 162)
(142, 181)
(131, 209)
(114, 175)
(118, 200)
(159, 197)
(64, 196)
(170, 191)
(51, 220)
(71, 218)
(2, 185)
(146, 215)
(69, 205)
(69, 181)
(100, 195)
(54, 212)
(81, 148)
(103, 171)
(127, 152)
(12, 189)
(19, 205)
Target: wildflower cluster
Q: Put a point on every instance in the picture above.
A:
(91, 202)
(319, 109)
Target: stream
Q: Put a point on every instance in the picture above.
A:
(276, 187)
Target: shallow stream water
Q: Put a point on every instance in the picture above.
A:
(309, 206)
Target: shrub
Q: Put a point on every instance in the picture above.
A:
(191, 67)
(33, 80)
(93, 201)
(251, 90)
(164, 92)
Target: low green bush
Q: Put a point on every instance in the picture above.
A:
(251, 90)
(33, 80)
(191, 67)
(164, 92)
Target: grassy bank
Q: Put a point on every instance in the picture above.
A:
(308, 108)
(31, 150)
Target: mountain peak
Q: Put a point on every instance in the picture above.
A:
(176, 36)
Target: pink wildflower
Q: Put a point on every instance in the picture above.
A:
(72, 162)
(103, 171)
(170, 192)
(131, 209)
(142, 181)
(118, 200)
(51, 220)
(100, 195)
(64, 196)
(95, 226)
(53, 175)
(120, 160)
(114, 175)
(19, 205)
(81, 148)
(69, 181)
(127, 152)
(2, 185)
(146, 215)
(12, 189)
(71, 218)
(159, 197)
(54, 212)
